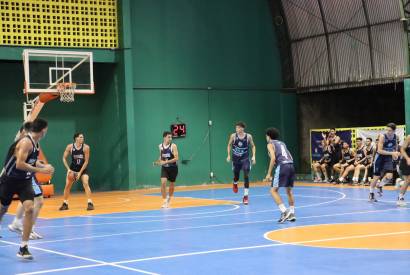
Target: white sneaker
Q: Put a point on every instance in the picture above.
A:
(401, 203)
(35, 236)
(165, 204)
(15, 228)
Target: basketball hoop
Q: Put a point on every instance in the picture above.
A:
(66, 91)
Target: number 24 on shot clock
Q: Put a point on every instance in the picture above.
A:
(178, 130)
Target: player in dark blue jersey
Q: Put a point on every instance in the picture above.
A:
(284, 174)
(405, 170)
(383, 163)
(168, 159)
(16, 178)
(80, 156)
(239, 145)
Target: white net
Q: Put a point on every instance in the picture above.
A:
(66, 91)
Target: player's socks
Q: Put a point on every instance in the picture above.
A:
(282, 208)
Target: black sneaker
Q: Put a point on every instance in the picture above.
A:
(372, 198)
(63, 207)
(380, 191)
(291, 217)
(24, 253)
(284, 216)
(90, 206)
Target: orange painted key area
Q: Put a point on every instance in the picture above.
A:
(123, 201)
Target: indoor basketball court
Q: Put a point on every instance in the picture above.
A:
(204, 137)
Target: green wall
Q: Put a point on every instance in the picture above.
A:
(98, 117)
(200, 61)
(189, 59)
(407, 104)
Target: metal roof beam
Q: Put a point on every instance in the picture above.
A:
(370, 37)
(329, 56)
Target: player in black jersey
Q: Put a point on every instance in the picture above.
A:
(322, 165)
(80, 156)
(405, 170)
(17, 224)
(360, 160)
(335, 143)
(16, 177)
(346, 163)
(370, 151)
(168, 159)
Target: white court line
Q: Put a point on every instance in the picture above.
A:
(205, 226)
(199, 213)
(84, 258)
(190, 218)
(235, 207)
(193, 214)
(225, 250)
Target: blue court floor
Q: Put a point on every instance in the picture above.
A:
(225, 239)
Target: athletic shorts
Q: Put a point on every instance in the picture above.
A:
(382, 164)
(404, 168)
(85, 172)
(284, 175)
(9, 187)
(36, 188)
(170, 173)
(78, 168)
(328, 162)
(241, 164)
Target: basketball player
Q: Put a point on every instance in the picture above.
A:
(360, 160)
(405, 170)
(346, 163)
(284, 174)
(323, 163)
(383, 162)
(368, 172)
(331, 137)
(80, 156)
(334, 141)
(17, 224)
(240, 143)
(168, 158)
(16, 178)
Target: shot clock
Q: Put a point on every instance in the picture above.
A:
(178, 130)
